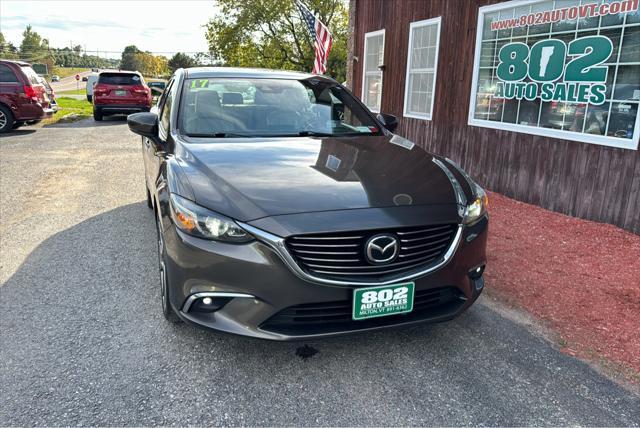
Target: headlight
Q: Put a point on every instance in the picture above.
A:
(478, 206)
(199, 221)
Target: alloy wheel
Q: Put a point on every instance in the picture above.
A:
(3, 119)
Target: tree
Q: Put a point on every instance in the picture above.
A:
(7, 49)
(33, 47)
(129, 60)
(181, 60)
(270, 34)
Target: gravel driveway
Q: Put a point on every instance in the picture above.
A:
(83, 342)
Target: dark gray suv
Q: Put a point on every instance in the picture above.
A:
(285, 209)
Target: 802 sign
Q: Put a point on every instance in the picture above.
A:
(546, 60)
(384, 295)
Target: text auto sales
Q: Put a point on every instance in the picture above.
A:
(563, 92)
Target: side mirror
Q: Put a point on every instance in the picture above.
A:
(388, 120)
(145, 124)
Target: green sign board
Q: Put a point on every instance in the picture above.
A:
(373, 302)
(554, 71)
(40, 69)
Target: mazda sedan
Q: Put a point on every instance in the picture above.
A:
(285, 209)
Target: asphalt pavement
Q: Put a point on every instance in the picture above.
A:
(69, 83)
(83, 341)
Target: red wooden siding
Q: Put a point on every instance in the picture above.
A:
(584, 180)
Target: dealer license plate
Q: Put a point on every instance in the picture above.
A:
(121, 93)
(381, 301)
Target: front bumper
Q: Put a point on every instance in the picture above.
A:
(262, 287)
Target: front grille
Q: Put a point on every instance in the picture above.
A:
(329, 317)
(341, 256)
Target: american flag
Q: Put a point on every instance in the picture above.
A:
(322, 38)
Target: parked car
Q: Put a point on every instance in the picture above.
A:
(120, 92)
(50, 93)
(285, 209)
(156, 86)
(91, 82)
(23, 97)
(85, 78)
(55, 78)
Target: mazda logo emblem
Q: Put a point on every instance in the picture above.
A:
(381, 249)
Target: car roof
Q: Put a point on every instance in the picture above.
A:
(20, 63)
(204, 72)
(120, 72)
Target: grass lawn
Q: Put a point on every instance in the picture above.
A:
(81, 91)
(68, 71)
(81, 108)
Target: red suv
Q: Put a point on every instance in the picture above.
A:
(120, 92)
(23, 97)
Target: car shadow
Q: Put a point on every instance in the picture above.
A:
(82, 314)
(91, 123)
(20, 131)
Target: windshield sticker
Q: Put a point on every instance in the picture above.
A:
(402, 142)
(199, 83)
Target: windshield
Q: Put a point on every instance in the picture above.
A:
(233, 107)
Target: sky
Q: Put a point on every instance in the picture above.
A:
(162, 27)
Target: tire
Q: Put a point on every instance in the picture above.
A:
(6, 120)
(97, 114)
(167, 310)
(89, 98)
(149, 201)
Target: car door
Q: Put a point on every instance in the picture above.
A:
(153, 162)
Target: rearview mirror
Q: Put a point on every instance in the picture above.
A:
(388, 120)
(145, 124)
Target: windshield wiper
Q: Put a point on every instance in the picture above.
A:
(315, 134)
(221, 135)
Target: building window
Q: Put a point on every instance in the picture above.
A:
(372, 73)
(567, 69)
(422, 64)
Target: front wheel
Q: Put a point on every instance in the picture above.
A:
(167, 310)
(6, 120)
(97, 114)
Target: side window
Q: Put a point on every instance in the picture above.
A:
(165, 107)
(6, 75)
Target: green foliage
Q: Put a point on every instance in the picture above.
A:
(32, 44)
(36, 49)
(271, 34)
(7, 49)
(129, 59)
(134, 59)
(181, 60)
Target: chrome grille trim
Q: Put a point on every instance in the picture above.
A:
(278, 244)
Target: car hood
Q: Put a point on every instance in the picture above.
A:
(248, 179)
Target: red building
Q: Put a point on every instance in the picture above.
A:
(537, 99)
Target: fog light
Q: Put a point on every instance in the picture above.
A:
(476, 272)
(209, 304)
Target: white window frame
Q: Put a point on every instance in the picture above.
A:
(412, 26)
(364, 66)
(600, 140)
